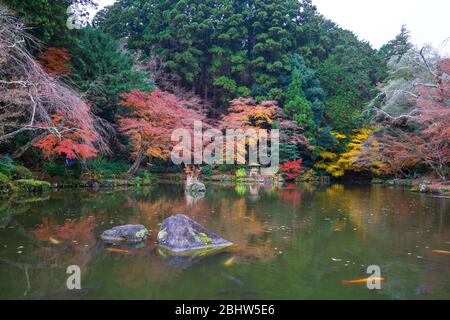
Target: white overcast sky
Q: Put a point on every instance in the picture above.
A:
(379, 21)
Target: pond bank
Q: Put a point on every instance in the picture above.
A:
(33, 185)
(427, 185)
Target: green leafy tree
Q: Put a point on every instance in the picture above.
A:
(103, 71)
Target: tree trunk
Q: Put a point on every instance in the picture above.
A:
(137, 162)
(20, 151)
(440, 172)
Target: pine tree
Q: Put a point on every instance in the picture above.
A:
(397, 47)
(298, 107)
(104, 72)
(48, 18)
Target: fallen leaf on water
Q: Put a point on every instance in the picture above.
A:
(364, 280)
(53, 240)
(441, 251)
(114, 250)
(229, 262)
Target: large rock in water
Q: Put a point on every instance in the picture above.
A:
(180, 233)
(128, 233)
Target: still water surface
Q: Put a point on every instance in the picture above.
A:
(293, 242)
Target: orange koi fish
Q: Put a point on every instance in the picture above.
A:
(114, 250)
(357, 281)
(441, 251)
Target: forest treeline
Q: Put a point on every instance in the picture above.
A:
(105, 98)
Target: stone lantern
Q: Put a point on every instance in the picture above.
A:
(254, 170)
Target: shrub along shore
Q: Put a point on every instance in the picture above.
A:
(15, 178)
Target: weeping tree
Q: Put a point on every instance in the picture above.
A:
(30, 98)
(413, 112)
(396, 99)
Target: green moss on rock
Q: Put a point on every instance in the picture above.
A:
(205, 238)
(20, 172)
(31, 185)
(3, 179)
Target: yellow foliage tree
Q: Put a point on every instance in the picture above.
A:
(336, 164)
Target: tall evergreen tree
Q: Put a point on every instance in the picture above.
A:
(349, 76)
(48, 18)
(223, 49)
(219, 49)
(398, 46)
(298, 107)
(103, 72)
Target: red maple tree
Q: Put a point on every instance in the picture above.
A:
(291, 169)
(55, 61)
(73, 139)
(152, 119)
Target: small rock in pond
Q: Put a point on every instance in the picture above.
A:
(180, 233)
(423, 188)
(195, 187)
(126, 233)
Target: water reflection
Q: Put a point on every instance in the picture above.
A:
(291, 242)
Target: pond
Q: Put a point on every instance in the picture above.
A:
(291, 242)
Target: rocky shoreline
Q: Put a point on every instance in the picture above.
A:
(422, 185)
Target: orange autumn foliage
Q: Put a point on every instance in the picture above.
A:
(248, 115)
(80, 230)
(245, 113)
(421, 137)
(152, 119)
(55, 61)
(75, 138)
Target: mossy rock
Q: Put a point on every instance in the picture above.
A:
(4, 180)
(127, 233)
(5, 216)
(195, 188)
(20, 172)
(31, 185)
(377, 181)
(180, 233)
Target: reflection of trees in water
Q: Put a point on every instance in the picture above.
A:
(54, 251)
(67, 243)
(27, 268)
(231, 216)
(5, 214)
(151, 267)
(193, 200)
(375, 209)
(291, 194)
(391, 228)
(309, 224)
(17, 205)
